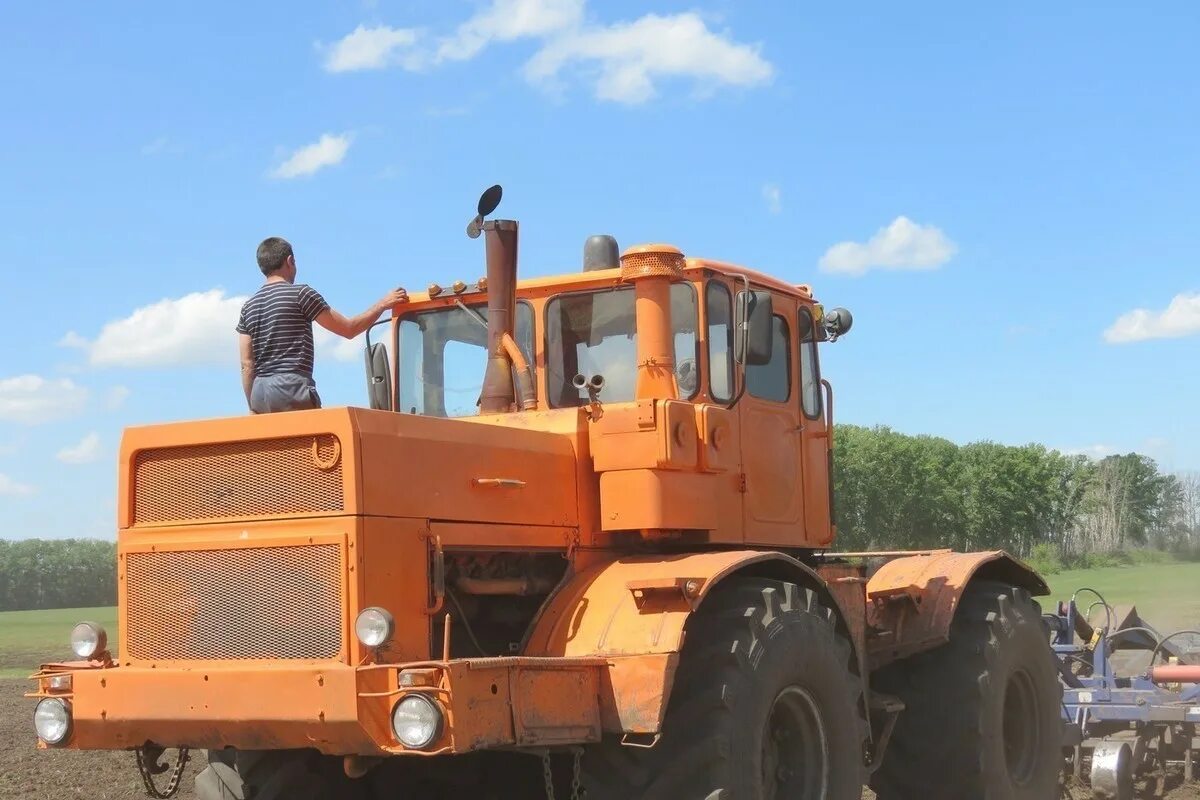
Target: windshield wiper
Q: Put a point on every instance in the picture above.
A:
(475, 315)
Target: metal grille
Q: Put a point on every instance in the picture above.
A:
(297, 475)
(260, 603)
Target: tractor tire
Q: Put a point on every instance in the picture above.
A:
(273, 775)
(764, 707)
(982, 718)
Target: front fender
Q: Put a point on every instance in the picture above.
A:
(633, 611)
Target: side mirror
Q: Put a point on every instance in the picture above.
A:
(753, 339)
(838, 323)
(487, 204)
(379, 377)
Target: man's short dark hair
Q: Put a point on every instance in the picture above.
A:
(273, 254)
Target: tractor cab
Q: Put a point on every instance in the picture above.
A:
(638, 340)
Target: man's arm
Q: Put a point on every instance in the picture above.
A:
(349, 327)
(247, 364)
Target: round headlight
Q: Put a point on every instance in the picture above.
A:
(417, 721)
(88, 639)
(52, 720)
(374, 626)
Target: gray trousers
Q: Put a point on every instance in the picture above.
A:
(283, 392)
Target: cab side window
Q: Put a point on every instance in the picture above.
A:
(810, 374)
(773, 380)
(718, 305)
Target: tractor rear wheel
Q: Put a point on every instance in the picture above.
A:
(982, 717)
(765, 707)
(273, 775)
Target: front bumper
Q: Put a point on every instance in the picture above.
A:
(339, 710)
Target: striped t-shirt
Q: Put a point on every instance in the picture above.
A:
(278, 319)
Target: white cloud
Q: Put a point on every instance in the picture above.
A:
(1180, 318)
(116, 397)
(630, 56)
(327, 151)
(329, 345)
(32, 399)
(901, 245)
(625, 60)
(197, 328)
(373, 48)
(85, 452)
(10, 487)
(774, 197)
(508, 20)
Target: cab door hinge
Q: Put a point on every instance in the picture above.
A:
(742, 483)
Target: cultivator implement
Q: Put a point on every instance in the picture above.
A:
(1123, 724)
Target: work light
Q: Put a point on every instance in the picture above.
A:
(374, 626)
(417, 721)
(52, 720)
(88, 640)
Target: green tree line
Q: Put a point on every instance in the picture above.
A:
(892, 492)
(57, 573)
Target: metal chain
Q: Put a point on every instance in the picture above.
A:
(576, 777)
(547, 776)
(176, 776)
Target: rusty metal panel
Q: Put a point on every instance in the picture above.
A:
(254, 603)
(258, 478)
(912, 600)
(555, 706)
(252, 708)
(847, 586)
(634, 692)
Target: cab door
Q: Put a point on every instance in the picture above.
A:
(770, 427)
(816, 435)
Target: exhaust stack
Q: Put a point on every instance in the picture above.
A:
(500, 237)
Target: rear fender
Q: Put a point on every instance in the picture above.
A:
(911, 601)
(634, 612)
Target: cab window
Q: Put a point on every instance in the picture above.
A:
(810, 373)
(595, 333)
(718, 308)
(773, 380)
(443, 353)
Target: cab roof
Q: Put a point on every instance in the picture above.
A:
(576, 281)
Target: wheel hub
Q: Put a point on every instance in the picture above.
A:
(795, 758)
(1022, 735)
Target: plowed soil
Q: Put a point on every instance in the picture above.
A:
(27, 773)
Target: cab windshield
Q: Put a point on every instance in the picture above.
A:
(595, 333)
(442, 357)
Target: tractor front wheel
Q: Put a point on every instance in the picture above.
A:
(982, 717)
(765, 707)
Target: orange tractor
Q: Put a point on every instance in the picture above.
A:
(587, 519)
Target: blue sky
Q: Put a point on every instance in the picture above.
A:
(1005, 195)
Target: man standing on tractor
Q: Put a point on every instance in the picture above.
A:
(275, 332)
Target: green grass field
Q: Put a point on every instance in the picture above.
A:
(28, 638)
(1166, 595)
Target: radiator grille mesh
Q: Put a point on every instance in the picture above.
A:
(260, 603)
(296, 475)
